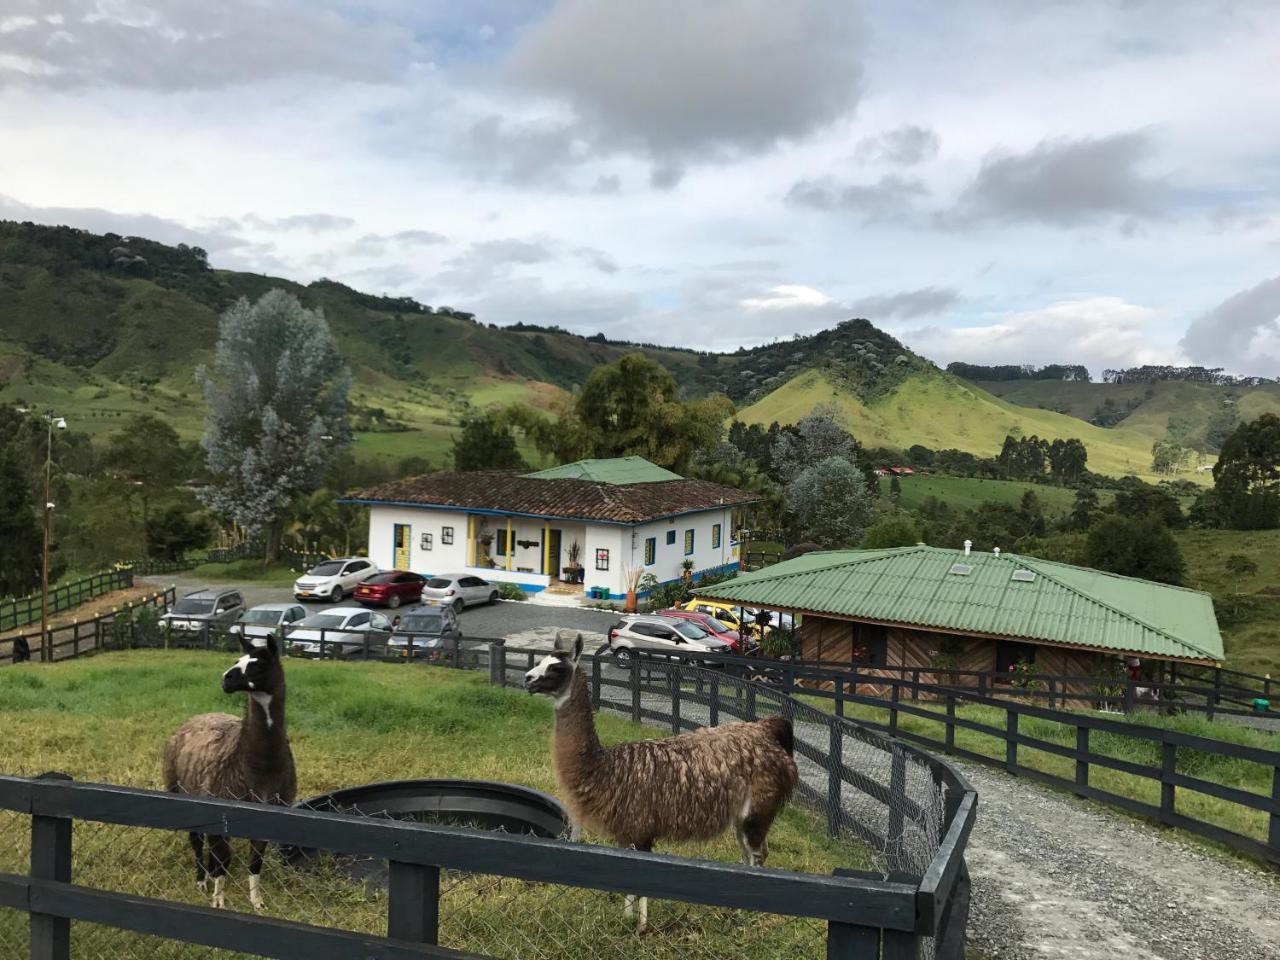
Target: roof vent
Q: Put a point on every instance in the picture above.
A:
(996, 551)
(968, 545)
(1024, 576)
(960, 569)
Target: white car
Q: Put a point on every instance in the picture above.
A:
(660, 633)
(340, 632)
(333, 579)
(458, 590)
(258, 622)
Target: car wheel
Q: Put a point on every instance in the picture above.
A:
(623, 656)
(493, 598)
(394, 601)
(335, 595)
(458, 605)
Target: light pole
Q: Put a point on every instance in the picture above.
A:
(46, 649)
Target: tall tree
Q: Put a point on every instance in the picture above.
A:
(1247, 475)
(21, 539)
(817, 437)
(1134, 547)
(1083, 509)
(829, 503)
(148, 459)
(277, 400)
(486, 443)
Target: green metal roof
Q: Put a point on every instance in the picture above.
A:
(1059, 604)
(618, 470)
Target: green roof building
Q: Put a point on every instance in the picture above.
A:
(904, 607)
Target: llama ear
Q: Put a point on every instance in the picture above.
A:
(246, 644)
(273, 646)
(577, 648)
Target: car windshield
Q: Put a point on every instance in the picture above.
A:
(691, 631)
(323, 621)
(382, 578)
(421, 623)
(330, 569)
(261, 616)
(192, 607)
(712, 625)
(439, 583)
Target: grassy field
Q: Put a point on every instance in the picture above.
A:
(107, 718)
(941, 412)
(965, 493)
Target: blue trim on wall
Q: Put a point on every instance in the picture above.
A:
(710, 571)
(486, 512)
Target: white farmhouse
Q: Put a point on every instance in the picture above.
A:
(569, 528)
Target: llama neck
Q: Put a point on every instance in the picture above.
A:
(576, 744)
(264, 736)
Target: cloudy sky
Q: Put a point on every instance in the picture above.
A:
(1010, 181)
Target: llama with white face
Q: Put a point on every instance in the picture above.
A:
(688, 787)
(249, 758)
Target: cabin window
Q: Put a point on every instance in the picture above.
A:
(500, 543)
(426, 541)
(688, 542)
(1009, 653)
(715, 536)
(446, 536)
(671, 538)
(650, 551)
(870, 644)
(602, 558)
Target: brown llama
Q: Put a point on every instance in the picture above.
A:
(687, 787)
(218, 755)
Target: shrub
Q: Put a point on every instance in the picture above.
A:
(509, 591)
(1241, 565)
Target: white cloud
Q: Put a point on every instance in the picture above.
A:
(788, 296)
(1242, 333)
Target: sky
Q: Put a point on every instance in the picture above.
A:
(1010, 181)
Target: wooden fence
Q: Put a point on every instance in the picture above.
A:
(114, 630)
(868, 917)
(64, 596)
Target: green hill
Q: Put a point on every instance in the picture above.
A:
(937, 410)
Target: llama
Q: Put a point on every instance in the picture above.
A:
(688, 787)
(218, 755)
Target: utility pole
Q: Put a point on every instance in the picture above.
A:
(46, 648)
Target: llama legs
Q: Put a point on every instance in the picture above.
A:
(219, 862)
(629, 903)
(754, 836)
(256, 850)
(197, 847)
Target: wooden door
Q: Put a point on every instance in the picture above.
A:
(553, 554)
(402, 538)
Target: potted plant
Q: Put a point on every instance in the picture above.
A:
(573, 569)
(686, 570)
(631, 576)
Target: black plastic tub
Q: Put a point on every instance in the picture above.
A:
(475, 804)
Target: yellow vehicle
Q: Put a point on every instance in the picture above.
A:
(733, 616)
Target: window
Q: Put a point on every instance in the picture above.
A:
(688, 542)
(650, 551)
(602, 558)
(715, 536)
(426, 541)
(446, 536)
(671, 538)
(500, 543)
(870, 644)
(359, 620)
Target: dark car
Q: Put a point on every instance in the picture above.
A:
(428, 630)
(391, 588)
(707, 622)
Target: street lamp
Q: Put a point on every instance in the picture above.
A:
(46, 648)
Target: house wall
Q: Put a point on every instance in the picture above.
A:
(669, 558)
(441, 558)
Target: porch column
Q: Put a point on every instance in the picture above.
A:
(511, 547)
(546, 549)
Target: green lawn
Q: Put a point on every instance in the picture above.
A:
(239, 571)
(106, 719)
(965, 493)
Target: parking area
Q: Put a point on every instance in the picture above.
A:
(484, 622)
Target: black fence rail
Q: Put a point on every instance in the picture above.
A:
(126, 626)
(865, 914)
(1087, 742)
(26, 610)
(1211, 691)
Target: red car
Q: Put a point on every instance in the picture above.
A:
(390, 589)
(709, 624)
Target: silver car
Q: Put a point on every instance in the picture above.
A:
(204, 610)
(340, 632)
(458, 590)
(660, 633)
(267, 618)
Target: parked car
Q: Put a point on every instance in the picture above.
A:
(391, 588)
(266, 618)
(431, 628)
(203, 610)
(333, 579)
(458, 590)
(733, 616)
(345, 631)
(708, 623)
(659, 633)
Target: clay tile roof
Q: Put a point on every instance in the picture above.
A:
(508, 491)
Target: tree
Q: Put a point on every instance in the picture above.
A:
(1134, 547)
(1148, 501)
(815, 438)
(1067, 459)
(1031, 516)
(277, 401)
(486, 443)
(1167, 456)
(895, 488)
(174, 529)
(149, 460)
(898, 530)
(21, 536)
(1083, 509)
(829, 503)
(1247, 475)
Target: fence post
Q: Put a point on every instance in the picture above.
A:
(595, 680)
(1011, 742)
(50, 860)
(835, 758)
(894, 696)
(456, 651)
(1082, 758)
(413, 903)
(838, 690)
(982, 684)
(1217, 688)
(1168, 767)
(1273, 833)
(1053, 694)
(713, 707)
(897, 791)
(915, 684)
(950, 745)
(751, 701)
(635, 688)
(674, 674)
(847, 942)
(853, 681)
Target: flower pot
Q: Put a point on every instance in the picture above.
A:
(631, 601)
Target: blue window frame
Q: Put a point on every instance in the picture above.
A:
(671, 538)
(650, 551)
(688, 542)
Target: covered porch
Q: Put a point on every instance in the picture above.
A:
(536, 554)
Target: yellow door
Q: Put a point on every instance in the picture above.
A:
(403, 537)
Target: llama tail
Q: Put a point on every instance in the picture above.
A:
(780, 729)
